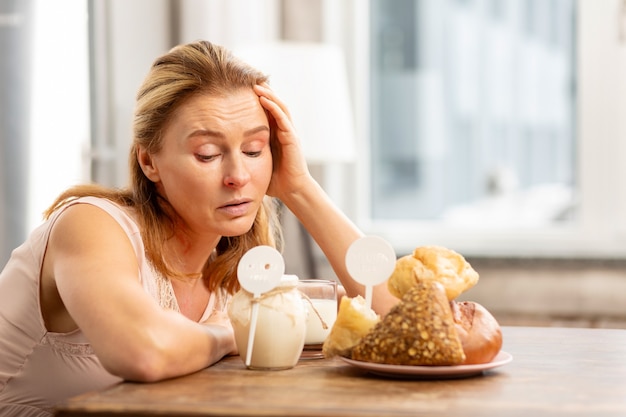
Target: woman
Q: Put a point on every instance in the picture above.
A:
(133, 283)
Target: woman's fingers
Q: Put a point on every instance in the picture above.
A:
(269, 93)
(275, 105)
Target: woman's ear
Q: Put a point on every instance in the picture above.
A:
(147, 164)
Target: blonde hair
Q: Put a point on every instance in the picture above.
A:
(186, 70)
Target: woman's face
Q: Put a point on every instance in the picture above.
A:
(215, 164)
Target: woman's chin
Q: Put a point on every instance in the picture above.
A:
(238, 228)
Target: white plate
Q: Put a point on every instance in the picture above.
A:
(431, 372)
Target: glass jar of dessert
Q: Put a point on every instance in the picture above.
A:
(280, 327)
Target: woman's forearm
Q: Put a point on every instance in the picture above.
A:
(334, 232)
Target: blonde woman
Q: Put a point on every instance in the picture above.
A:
(133, 283)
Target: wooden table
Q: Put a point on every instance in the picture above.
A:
(554, 372)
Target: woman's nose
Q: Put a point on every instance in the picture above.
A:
(236, 172)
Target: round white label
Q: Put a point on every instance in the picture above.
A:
(260, 269)
(370, 260)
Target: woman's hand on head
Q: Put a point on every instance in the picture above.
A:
(290, 168)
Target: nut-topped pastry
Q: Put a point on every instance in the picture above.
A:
(478, 330)
(420, 330)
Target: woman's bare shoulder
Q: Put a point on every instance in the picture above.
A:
(86, 245)
(80, 222)
(88, 232)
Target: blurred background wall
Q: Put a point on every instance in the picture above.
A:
(16, 46)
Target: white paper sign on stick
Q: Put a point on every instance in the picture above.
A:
(370, 261)
(259, 270)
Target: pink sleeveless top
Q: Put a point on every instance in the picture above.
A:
(40, 368)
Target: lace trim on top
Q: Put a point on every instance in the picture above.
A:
(165, 292)
(167, 298)
(70, 348)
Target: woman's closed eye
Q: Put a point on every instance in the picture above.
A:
(253, 154)
(206, 158)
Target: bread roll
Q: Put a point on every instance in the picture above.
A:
(419, 330)
(354, 320)
(478, 330)
(433, 263)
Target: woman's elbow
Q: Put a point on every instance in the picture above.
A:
(145, 365)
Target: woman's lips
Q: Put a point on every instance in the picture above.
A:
(239, 208)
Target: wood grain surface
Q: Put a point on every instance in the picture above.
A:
(554, 372)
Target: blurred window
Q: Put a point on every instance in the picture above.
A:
(473, 125)
(59, 142)
(473, 106)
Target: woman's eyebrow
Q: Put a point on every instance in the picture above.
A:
(206, 132)
(217, 134)
(255, 130)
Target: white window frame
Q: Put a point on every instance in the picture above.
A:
(600, 231)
